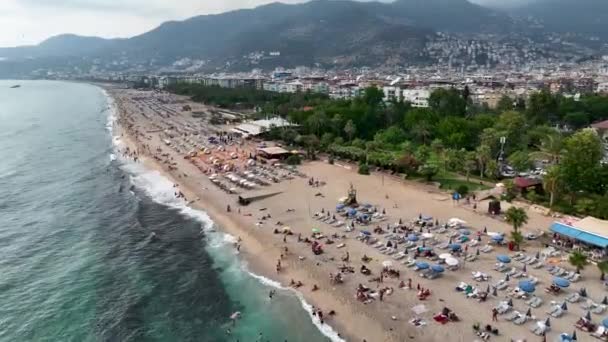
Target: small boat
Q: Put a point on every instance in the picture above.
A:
(16, 86)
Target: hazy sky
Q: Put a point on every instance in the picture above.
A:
(31, 21)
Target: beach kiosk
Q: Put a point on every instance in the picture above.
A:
(590, 233)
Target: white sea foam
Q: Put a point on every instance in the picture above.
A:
(160, 189)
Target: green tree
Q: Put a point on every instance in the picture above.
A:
(422, 131)
(551, 148)
(552, 183)
(327, 139)
(470, 163)
(542, 107)
(337, 124)
(577, 120)
(603, 267)
(428, 170)
(585, 206)
(504, 104)
(580, 164)
(517, 238)
(578, 260)
(520, 161)
(517, 217)
(484, 155)
(448, 102)
(492, 169)
(350, 129)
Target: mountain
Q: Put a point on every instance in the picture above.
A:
(585, 17)
(330, 33)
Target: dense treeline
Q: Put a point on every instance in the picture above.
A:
(451, 136)
(246, 97)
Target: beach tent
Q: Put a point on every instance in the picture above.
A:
(561, 282)
(503, 258)
(527, 286)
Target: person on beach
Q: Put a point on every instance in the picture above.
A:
(494, 315)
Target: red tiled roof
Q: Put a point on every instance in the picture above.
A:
(522, 182)
(601, 125)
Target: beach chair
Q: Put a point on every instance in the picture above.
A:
(537, 265)
(531, 261)
(533, 280)
(471, 257)
(539, 328)
(573, 297)
(518, 256)
(513, 315)
(599, 309)
(536, 303)
(410, 263)
(557, 313)
(500, 267)
(501, 285)
(525, 259)
(487, 249)
(522, 319)
(553, 309)
(588, 305)
(503, 308)
(511, 272)
(399, 256)
(518, 274)
(576, 278)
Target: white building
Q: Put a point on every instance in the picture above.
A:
(417, 97)
(602, 87)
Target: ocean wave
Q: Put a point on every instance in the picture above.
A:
(160, 189)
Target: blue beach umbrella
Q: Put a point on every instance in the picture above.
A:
(455, 246)
(437, 268)
(498, 238)
(561, 282)
(527, 286)
(365, 232)
(464, 232)
(422, 265)
(503, 258)
(352, 212)
(340, 206)
(427, 218)
(412, 238)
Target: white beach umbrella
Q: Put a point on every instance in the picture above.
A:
(456, 221)
(451, 262)
(427, 236)
(387, 263)
(445, 256)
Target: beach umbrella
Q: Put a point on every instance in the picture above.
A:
(340, 206)
(510, 302)
(412, 237)
(464, 231)
(316, 230)
(561, 282)
(463, 238)
(387, 263)
(367, 205)
(588, 317)
(426, 218)
(507, 278)
(498, 238)
(366, 232)
(604, 322)
(494, 291)
(352, 212)
(529, 312)
(548, 322)
(477, 252)
(503, 258)
(437, 268)
(527, 286)
(485, 230)
(451, 262)
(564, 306)
(422, 265)
(427, 236)
(605, 300)
(455, 246)
(445, 255)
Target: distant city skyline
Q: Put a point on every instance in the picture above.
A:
(28, 22)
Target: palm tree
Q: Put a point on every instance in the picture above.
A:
(551, 148)
(578, 260)
(484, 154)
(350, 129)
(517, 217)
(603, 267)
(422, 130)
(552, 183)
(517, 238)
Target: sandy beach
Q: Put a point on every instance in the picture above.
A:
(160, 134)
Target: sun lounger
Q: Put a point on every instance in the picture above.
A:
(518, 256)
(555, 270)
(391, 251)
(600, 333)
(399, 256)
(338, 224)
(557, 313)
(410, 263)
(536, 303)
(444, 245)
(518, 274)
(441, 230)
(598, 310)
(471, 257)
(486, 249)
(533, 280)
(573, 297)
(503, 308)
(511, 272)
(537, 265)
(513, 315)
(588, 305)
(500, 268)
(553, 309)
(576, 278)
(501, 285)
(525, 259)
(522, 319)
(539, 328)
(531, 261)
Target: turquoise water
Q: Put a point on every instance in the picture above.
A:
(77, 261)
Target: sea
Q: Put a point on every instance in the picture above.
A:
(78, 257)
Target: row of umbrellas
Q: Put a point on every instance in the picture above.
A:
(425, 266)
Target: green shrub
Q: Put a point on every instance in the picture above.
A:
(293, 160)
(363, 169)
(463, 190)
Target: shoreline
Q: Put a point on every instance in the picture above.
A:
(252, 265)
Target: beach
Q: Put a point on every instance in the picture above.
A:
(160, 134)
